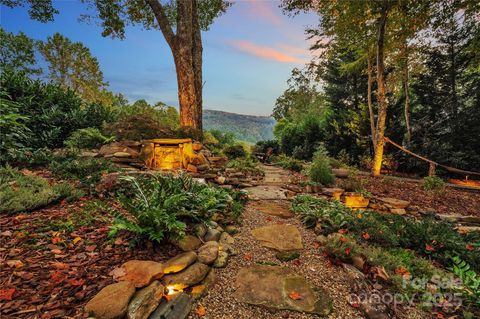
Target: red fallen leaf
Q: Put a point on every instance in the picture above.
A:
(343, 239)
(316, 245)
(355, 305)
(429, 247)
(200, 311)
(103, 229)
(59, 265)
(402, 271)
(248, 257)
(294, 295)
(90, 248)
(56, 240)
(366, 236)
(470, 247)
(57, 277)
(343, 231)
(268, 219)
(7, 294)
(77, 282)
(296, 262)
(347, 251)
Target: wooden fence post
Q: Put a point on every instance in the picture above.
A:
(431, 169)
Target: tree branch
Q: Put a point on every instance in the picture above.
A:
(162, 21)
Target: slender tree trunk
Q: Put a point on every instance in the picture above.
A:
(407, 103)
(197, 52)
(381, 95)
(369, 100)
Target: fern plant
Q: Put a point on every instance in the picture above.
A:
(162, 206)
(470, 280)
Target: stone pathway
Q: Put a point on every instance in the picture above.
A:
(257, 284)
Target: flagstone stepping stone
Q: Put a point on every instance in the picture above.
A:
(278, 288)
(393, 202)
(145, 301)
(280, 237)
(141, 272)
(333, 192)
(266, 192)
(208, 252)
(179, 262)
(188, 277)
(112, 301)
(280, 209)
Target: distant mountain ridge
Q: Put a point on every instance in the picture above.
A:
(249, 128)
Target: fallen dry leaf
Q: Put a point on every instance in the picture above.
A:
(248, 257)
(366, 236)
(294, 295)
(7, 294)
(117, 273)
(15, 263)
(200, 311)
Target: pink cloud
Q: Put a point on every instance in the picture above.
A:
(260, 8)
(265, 52)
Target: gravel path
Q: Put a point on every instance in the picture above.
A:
(219, 300)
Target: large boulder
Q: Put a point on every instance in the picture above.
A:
(145, 301)
(278, 288)
(141, 272)
(188, 277)
(111, 302)
(212, 234)
(179, 262)
(280, 237)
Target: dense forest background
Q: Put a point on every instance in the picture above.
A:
(433, 81)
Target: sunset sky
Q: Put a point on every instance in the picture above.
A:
(248, 54)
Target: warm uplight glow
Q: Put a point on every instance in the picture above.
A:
(174, 289)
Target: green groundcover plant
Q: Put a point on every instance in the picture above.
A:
(19, 192)
(428, 237)
(162, 207)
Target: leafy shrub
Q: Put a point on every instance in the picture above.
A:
(50, 112)
(333, 215)
(433, 183)
(161, 207)
(289, 163)
(263, 146)
(352, 184)
(320, 170)
(209, 138)
(143, 121)
(248, 165)
(89, 137)
(235, 151)
(88, 171)
(13, 130)
(20, 192)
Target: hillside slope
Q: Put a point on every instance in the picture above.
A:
(249, 128)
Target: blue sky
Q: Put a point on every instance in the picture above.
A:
(249, 53)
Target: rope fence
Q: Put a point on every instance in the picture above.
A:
(433, 164)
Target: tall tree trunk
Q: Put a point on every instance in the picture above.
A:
(186, 47)
(369, 100)
(381, 95)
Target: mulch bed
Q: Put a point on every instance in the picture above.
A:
(49, 270)
(451, 201)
